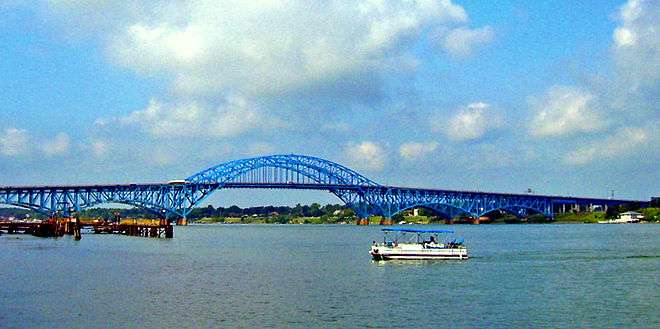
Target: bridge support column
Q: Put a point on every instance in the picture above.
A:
(182, 221)
(475, 220)
(386, 221)
(449, 221)
(169, 231)
(362, 221)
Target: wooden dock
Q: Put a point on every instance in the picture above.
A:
(72, 226)
(135, 229)
(35, 228)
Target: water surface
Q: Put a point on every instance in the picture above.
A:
(321, 276)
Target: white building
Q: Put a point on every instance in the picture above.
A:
(631, 217)
(626, 217)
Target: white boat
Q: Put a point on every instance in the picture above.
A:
(410, 243)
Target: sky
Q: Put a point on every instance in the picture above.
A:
(557, 96)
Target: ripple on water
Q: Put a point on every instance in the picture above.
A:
(322, 276)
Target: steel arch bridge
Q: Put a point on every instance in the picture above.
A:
(287, 171)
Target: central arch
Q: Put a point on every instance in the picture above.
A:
(287, 169)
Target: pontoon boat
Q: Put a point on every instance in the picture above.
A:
(411, 243)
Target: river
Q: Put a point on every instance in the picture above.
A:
(321, 276)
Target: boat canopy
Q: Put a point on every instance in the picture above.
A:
(415, 230)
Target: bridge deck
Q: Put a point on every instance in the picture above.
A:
(309, 186)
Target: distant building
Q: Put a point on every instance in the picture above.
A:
(655, 201)
(624, 218)
(416, 212)
(631, 217)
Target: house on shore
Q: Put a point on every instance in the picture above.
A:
(626, 217)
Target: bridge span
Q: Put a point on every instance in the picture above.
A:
(176, 199)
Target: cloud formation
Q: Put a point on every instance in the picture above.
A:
(637, 39)
(630, 95)
(623, 142)
(58, 145)
(273, 47)
(233, 117)
(98, 148)
(366, 155)
(564, 110)
(416, 151)
(470, 122)
(462, 41)
(14, 142)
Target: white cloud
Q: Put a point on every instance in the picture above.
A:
(261, 50)
(470, 122)
(636, 48)
(623, 37)
(622, 144)
(99, 148)
(234, 117)
(416, 151)
(564, 110)
(14, 142)
(629, 95)
(58, 145)
(462, 41)
(366, 155)
(265, 47)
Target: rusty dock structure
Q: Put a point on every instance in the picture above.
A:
(57, 227)
(162, 229)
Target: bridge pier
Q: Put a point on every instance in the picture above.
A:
(386, 221)
(182, 221)
(362, 221)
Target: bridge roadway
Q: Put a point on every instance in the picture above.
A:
(85, 196)
(177, 198)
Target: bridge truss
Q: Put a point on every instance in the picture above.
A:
(364, 196)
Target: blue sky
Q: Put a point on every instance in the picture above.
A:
(560, 97)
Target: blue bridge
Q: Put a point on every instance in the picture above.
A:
(176, 199)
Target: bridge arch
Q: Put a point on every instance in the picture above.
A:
(520, 211)
(29, 206)
(284, 168)
(287, 169)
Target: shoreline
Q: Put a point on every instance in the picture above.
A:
(423, 224)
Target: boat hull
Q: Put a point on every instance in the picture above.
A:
(413, 257)
(380, 253)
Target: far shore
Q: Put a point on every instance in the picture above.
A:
(573, 218)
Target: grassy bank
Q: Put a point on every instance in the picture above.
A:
(586, 217)
(651, 214)
(276, 220)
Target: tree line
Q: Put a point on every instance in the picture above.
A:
(313, 210)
